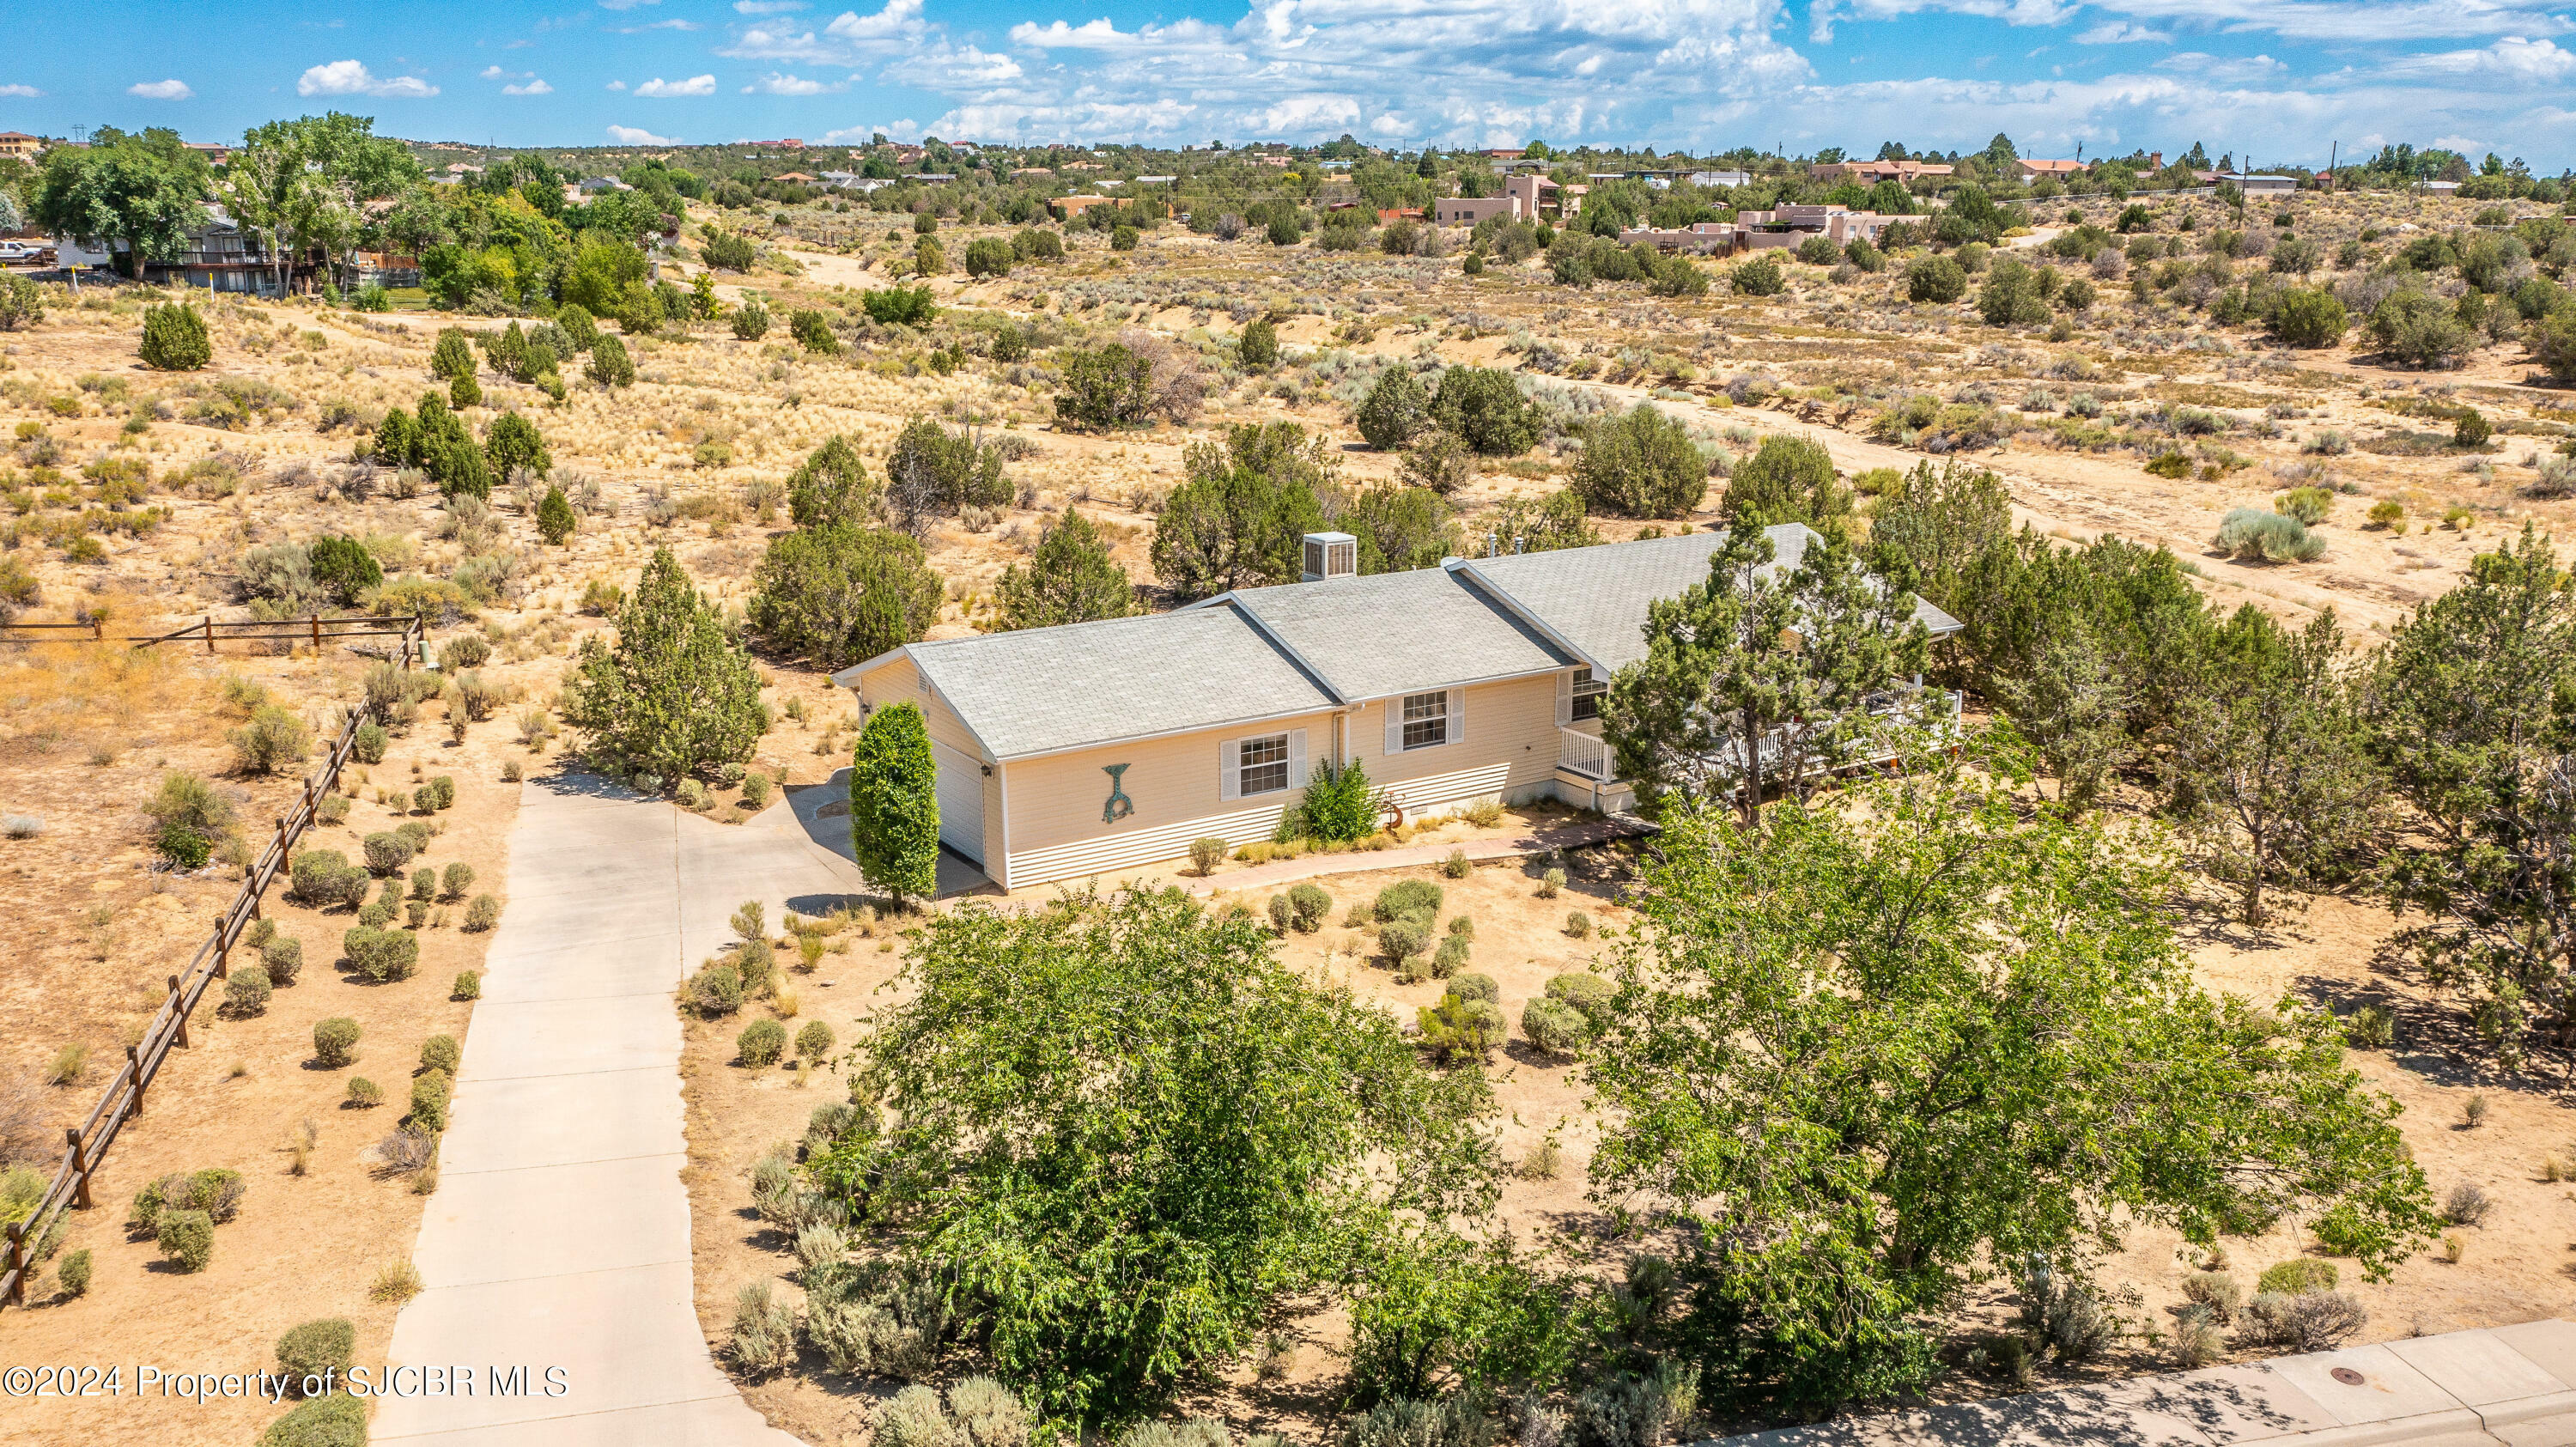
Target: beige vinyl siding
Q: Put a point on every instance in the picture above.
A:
(1508, 749)
(1056, 801)
(900, 682)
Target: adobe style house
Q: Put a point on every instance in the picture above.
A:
(1755, 230)
(1522, 199)
(1095, 747)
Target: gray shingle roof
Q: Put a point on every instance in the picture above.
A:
(1397, 633)
(1595, 598)
(1263, 653)
(1045, 689)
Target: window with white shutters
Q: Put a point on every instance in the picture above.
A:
(1587, 694)
(1263, 765)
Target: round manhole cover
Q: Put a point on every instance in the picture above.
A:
(2348, 1376)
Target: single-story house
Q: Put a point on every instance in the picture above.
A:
(1789, 225)
(1093, 747)
(1706, 238)
(2032, 168)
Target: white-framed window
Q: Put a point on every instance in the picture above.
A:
(1587, 694)
(1426, 720)
(1262, 765)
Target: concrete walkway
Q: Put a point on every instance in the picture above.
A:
(2508, 1385)
(559, 1235)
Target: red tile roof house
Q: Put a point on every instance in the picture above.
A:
(1477, 679)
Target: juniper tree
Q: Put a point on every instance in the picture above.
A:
(1644, 465)
(839, 593)
(674, 695)
(832, 486)
(1397, 409)
(894, 804)
(1069, 578)
(1756, 675)
(555, 519)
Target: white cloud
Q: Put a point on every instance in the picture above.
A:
(766, 7)
(775, 83)
(2463, 144)
(638, 136)
(2226, 70)
(160, 89)
(660, 89)
(625, 4)
(492, 72)
(2332, 21)
(660, 25)
(349, 77)
(21, 92)
(2512, 60)
(617, 85)
(533, 86)
(2121, 32)
(861, 135)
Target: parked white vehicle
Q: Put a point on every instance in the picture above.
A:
(18, 251)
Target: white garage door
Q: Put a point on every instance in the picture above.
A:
(961, 801)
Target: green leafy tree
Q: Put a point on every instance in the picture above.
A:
(1758, 675)
(729, 250)
(1759, 277)
(894, 804)
(1641, 464)
(1787, 480)
(1397, 410)
(146, 190)
(1105, 387)
(513, 444)
(813, 331)
(1883, 1102)
(601, 270)
(839, 593)
(2308, 317)
(2553, 344)
(673, 696)
(1139, 1091)
(1069, 578)
(832, 486)
(174, 338)
(344, 566)
(2267, 762)
(555, 519)
(909, 306)
(1484, 407)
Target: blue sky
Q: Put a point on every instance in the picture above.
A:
(2276, 79)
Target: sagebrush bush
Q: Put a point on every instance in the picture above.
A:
(1206, 853)
(716, 990)
(1587, 993)
(763, 1342)
(335, 1419)
(440, 1052)
(1578, 924)
(1308, 907)
(316, 1348)
(335, 1041)
(1476, 987)
(246, 992)
(469, 985)
(2251, 534)
(1408, 896)
(2467, 1205)
(1550, 883)
(761, 1043)
(2309, 1321)
(364, 1093)
(73, 1275)
(1554, 1026)
(1402, 939)
(381, 954)
(814, 1041)
(368, 747)
(2298, 1274)
(2215, 1291)
(387, 852)
(175, 339)
(1456, 865)
(430, 1092)
(458, 879)
(1451, 957)
(482, 914)
(186, 1238)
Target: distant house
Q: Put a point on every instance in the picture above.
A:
(1721, 178)
(18, 145)
(853, 181)
(798, 177)
(2033, 169)
(1523, 199)
(2254, 185)
(934, 178)
(1869, 172)
(1071, 206)
(1031, 171)
(1789, 225)
(215, 152)
(791, 143)
(1707, 238)
(597, 184)
(2442, 188)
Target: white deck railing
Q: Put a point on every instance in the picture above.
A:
(1580, 753)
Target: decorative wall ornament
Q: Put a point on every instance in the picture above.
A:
(1119, 805)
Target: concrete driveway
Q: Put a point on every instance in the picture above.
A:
(559, 1236)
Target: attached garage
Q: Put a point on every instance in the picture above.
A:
(961, 800)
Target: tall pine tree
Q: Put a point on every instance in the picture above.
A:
(674, 696)
(894, 804)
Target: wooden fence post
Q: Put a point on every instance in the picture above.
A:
(179, 1011)
(17, 1263)
(210, 632)
(134, 1062)
(317, 635)
(80, 1165)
